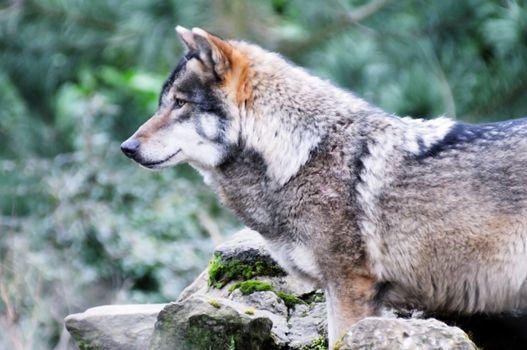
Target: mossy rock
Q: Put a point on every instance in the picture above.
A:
(290, 300)
(85, 345)
(251, 286)
(198, 325)
(223, 270)
(316, 296)
(320, 343)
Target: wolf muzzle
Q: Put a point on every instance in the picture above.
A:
(130, 148)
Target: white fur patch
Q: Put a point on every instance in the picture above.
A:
(283, 150)
(429, 131)
(376, 171)
(375, 176)
(209, 126)
(332, 315)
(208, 177)
(304, 259)
(294, 257)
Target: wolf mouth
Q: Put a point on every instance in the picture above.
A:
(153, 164)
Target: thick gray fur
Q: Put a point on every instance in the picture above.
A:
(384, 210)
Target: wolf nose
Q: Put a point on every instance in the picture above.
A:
(130, 147)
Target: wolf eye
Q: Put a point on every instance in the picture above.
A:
(178, 103)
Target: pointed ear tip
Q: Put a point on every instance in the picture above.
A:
(199, 31)
(181, 29)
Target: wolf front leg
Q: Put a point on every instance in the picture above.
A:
(348, 301)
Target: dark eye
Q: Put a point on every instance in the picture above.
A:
(178, 103)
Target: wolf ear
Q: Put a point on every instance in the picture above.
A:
(187, 37)
(214, 52)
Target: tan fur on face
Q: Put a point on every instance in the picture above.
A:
(148, 129)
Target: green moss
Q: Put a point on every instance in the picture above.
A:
(249, 312)
(319, 343)
(251, 286)
(214, 303)
(84, 345)
(224, 330)
(289, 299)
(314, 297)
(223, 271)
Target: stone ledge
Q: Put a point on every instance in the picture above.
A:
(114, 326)
(215, 316)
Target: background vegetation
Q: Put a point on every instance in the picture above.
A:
(81, 225)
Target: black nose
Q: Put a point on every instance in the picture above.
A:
(130, 147)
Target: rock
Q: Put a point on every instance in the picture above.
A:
(199, 286)
(244, 257)
(114, 327)
(307, 324)
(293, 285)
(244, 300)
(268, 301)
(245, 245)
(200, 322)
(405, 334)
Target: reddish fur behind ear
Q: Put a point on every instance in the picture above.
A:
(236, 77)
(239, 78)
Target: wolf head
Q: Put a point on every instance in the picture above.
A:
(225, 98)
(197, 120)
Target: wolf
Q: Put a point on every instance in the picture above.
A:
(376, 209)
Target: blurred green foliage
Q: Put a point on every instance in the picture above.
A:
(81, 225)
